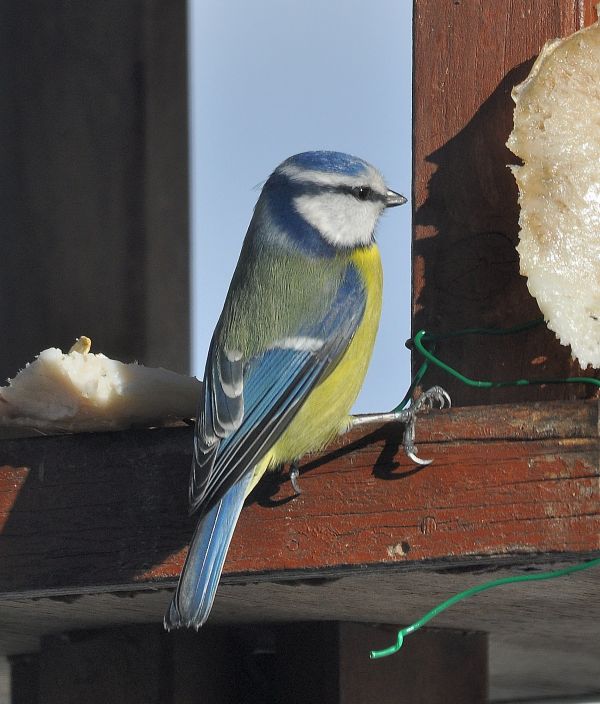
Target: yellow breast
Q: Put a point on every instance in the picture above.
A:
(325, 412)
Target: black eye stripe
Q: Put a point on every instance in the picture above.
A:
(361, 193)
(364, 193)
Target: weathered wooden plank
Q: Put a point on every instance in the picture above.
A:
(94, 190)
(467, 58)
(89, 512)
(88, 507)
(587, 13)
(165, 184)
(544, 637)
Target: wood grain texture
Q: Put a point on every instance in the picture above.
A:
(587, 12)
(94, 179)
(467, 57)
(89, 512)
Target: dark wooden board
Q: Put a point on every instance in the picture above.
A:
(94, 528)
(298, 663)
(467, 57)
(94, 177)
(82, 511)
(544, 638)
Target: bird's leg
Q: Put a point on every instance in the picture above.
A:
(294, 474)
(408, 416)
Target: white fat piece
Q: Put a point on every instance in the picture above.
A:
(341, 219)
(556, 135)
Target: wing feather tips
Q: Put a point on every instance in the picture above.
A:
(173, 619)
(195, 593)
(232, 432)
(227, 392)
(221, 412)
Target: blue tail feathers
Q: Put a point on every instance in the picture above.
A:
(199, 579)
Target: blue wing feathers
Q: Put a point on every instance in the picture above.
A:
(197, 587)
(261, 426)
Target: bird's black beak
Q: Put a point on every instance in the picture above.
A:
(392, 199)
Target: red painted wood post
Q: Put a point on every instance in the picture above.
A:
(467, 57)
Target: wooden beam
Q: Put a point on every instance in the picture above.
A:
(299, 663)
(467, 58)
(94, 190)
(587, 13)
(94, 530)
(79, 513)
(544, 637)
(165, 184)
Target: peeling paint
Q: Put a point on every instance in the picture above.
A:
(398, 549)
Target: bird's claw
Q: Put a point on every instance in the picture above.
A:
(294, 474)
(408, 416)
(426, 401)
(417, 460)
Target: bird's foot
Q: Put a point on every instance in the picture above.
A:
(294, 474)
(426, 401)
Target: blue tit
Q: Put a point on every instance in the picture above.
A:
(290, 351)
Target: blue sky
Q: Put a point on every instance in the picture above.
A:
(270, 78)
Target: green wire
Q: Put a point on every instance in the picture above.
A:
(419, 339)
(408, 395)
(430, 357)
(422, 336)
(522, 327)
(375, 654)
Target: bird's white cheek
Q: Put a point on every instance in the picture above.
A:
(341, 219)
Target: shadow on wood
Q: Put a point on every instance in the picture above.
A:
(61, 525)
(470, 269)
(466, 268)
(297, 663)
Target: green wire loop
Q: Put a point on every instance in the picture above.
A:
(422, 336)
(430, 358)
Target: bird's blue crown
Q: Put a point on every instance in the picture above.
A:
(328, 162)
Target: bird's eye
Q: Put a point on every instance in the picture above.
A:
(362, 192)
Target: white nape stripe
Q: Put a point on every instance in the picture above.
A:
(325, 178)
(300, 343)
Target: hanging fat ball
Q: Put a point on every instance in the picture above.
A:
(557, 135)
